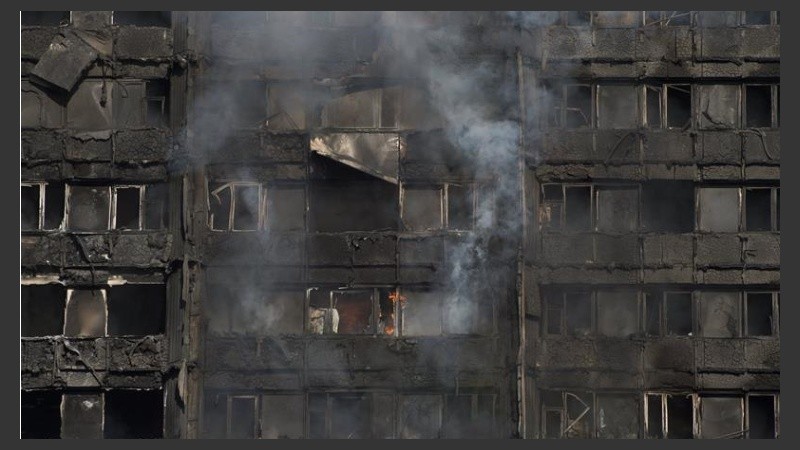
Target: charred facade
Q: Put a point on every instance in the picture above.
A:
(400, 225)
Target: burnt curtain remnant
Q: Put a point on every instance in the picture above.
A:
(398, 224)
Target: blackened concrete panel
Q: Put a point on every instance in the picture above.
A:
(142, 146)
(567, 248)
(42, 144)
(668, 146)
(762, 248)
(667, 249)
(763, 354)
(721, 147)
(621, 250)
(141, 249)
(669, 354)
(762, 148)
(719, 250)
(143, 43)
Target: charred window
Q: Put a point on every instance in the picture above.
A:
(241, 306)
(242, 417)
(718, 209)
(133, 414)
(617, 107)
(343, 416)
(285, 208)
(668, 206)
(86, 313)
(761, 416)
(719, 106)
(668, 313)
(82, 416)
(616, 19)
(762, 209)
(721, 417)
(667, 18)
(44, 18)
(136, 309)
(435, 207)
(42, 310)
(42, 206)
(127, 214)
(235, 206)
(88, 208)
(420, 416)
(576, 207)
(143, 18)
(157, 103)
(342, 198)
(714, 19)
(422, 314)
(668, 106)
(762, 313)
(351, 311)
(617, 416)
(577, 106)
(282, 416)
(469, 416)
(604, 312)
(669, 416)
(40, 415)
(719, 314)
(759, 109)
(568, 414)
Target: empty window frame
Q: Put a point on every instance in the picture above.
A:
(236, 206)
(351, 311)
(760, 106)
(617, 416)
(669, 415)
(142, 18)
(42, 206)
(762, 416)
(82, 416)
(762, 209)
(616, 19)
(567, 414)
(438, 312)
(385, 108)
(761, 314)
(42, 309)
(667, 18)
(577, 18)
(133, 414)
(469, 416)
(40, 414)
(137, 309)
(579, 207)
(611, 313)
(668, 106)
(572, 106)
(447, 206)
(141, 103)
(282, 416)
(732, 209)
(759, 18)
(156, 103)
(736, 18)
(668, 206)
(668, 313)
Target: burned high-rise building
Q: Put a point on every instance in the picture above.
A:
(400, 224)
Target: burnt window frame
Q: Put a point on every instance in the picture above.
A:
(661, 297)
(663, 105)
(663, 400)
(256, 413)
(775, 324)
(563, 410)
(42, 193)
(103, 293)
(713, 395)
(115, 206)
(375, 315)
(475, 397)
(774, 19)
(168, 26)
(776, 410)
(742, 207)
(68, 207)
(773, 107)
(26, 86)
(444, 204)
(595, 188)
(554, 292)
(231, 186)
(637, 97)
(479, 305)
